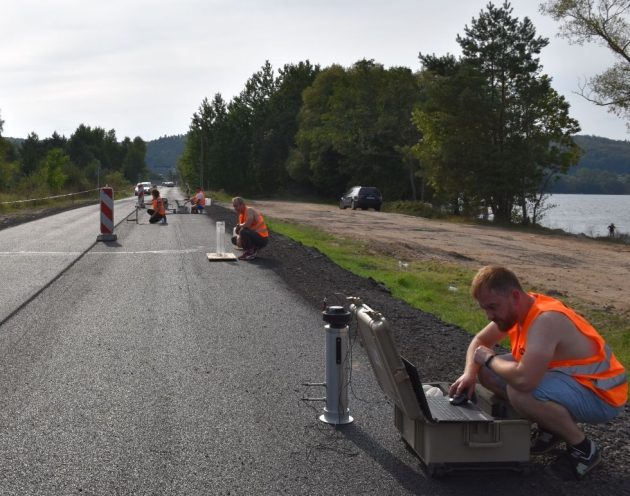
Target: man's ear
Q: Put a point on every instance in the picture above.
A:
(516, 296)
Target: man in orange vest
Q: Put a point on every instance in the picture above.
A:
(198, 202)
(158, 212)
(560, 370)
(251, 230)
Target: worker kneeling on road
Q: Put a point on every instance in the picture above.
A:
(251, 233)
(560, 370)
(198, 202)
(158, 212)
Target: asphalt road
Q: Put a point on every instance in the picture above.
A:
(145, 369)
(33, 254)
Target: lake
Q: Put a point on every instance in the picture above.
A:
(588, 214)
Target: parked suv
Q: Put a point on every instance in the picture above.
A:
(362, 197)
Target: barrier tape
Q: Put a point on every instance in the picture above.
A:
(47, 197)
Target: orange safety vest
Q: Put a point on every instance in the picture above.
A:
(259, 225)
(158, 205)
(200, 199)
(602, 373)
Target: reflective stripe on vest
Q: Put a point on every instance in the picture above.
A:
(602, 373)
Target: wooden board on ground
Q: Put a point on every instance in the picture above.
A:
(220, 257)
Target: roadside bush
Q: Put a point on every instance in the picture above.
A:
(417, 208)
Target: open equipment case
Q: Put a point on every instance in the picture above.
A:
(486, 435)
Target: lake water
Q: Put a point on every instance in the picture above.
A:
(588, 214)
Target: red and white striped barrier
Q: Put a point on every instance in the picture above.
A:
(107, 215)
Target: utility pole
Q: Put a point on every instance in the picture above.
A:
(201, 164)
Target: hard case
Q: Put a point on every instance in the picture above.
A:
(496, 438)
(502, 443)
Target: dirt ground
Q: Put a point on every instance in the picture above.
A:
(596, 272)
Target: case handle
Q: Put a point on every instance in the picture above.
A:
(496, 441)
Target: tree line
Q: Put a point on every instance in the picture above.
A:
(485, 130)
(89, 158)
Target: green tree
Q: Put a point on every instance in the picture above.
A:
(31, 154)
(9, 170)
(133, 163)
(87, 144)
(279, 124)
(354, 127)
(455, 118)
(201, 162)
(514, 130)
(315, 160)
(6, 171)
(604, 22)
(254, 104)
(116, 180)
(54, 164)
(55, 141)
(9, 173)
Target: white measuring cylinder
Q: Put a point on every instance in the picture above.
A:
(220, 238)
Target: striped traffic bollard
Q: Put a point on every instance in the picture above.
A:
(107, 215)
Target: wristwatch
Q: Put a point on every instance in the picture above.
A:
(488, 360)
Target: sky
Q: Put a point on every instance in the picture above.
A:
(143, 67)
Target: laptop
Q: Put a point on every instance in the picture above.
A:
(439, 408)
(405, 389)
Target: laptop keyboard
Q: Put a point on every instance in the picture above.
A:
(443, 411)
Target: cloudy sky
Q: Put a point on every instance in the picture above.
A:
(142, 67)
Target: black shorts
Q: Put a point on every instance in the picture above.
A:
(155, 216)
(251, 239)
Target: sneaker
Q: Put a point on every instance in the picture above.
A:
(573, 464)
(252, 254)
(247, 254)
(583, 464)
(543, 442)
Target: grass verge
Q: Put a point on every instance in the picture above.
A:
(441, 289)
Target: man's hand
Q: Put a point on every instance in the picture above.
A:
(465, 384)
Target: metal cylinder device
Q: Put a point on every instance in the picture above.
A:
(220, 227)
(337, 366)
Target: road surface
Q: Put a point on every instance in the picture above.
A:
(142, 368)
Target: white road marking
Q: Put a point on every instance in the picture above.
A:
(75, 253)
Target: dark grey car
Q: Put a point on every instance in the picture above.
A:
(362, 197)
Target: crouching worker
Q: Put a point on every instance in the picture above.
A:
(198, 202)
(560, 371)
(251, 233)
(158, 212)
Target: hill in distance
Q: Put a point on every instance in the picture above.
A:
(163, 154)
